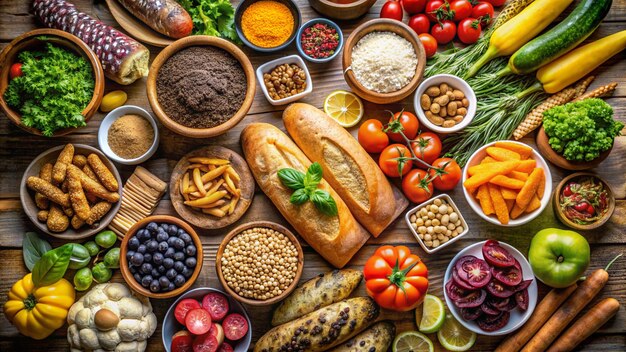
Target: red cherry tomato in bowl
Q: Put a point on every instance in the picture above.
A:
(391, 162)
(447, 175)
(416, 186)
(435, 8)
(444, 32)
(371, 136)
(427, 146)
(461, 9)
(413, 6)
(183, 307)
(410, 125)
(16, 70)
(198, 321)
(392, 9)
(419, 23)
(235, 326)
(430, 44)
(483, 11)
(469, 30)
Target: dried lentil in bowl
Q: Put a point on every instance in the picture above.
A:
(259, 263)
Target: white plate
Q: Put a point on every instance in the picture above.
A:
(518, 317)
(269, 66)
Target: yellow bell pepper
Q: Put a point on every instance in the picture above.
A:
(38, 312)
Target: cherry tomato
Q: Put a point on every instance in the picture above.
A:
(235, 326)
(198, 321)
(460, 9)
(590, 210)
(409, 125)
(417, 186)
(469, 30)
(205, 343)
(567, 191)
(430, 44)
(16, 70)
(420, 23)
(216, 304)
(496, 3)
(183, 307)
(371, 136)
(392, 9)
(448, 174)
(182, 342)
(225, 347)
(391, 161)
(436, 9)
(582, 206)
(217, 331)
(444, 32)
(413, 6)
(483, 11)
(427, 146)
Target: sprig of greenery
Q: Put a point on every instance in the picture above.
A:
(305, 188)
(212, 17)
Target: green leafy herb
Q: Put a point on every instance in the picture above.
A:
(305, 188)
(52, 266)
(55, 88)
(33, 248)
(212, 17)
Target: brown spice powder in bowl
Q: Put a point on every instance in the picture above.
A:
(130, 136)
(201, 87)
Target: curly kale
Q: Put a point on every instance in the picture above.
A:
(582, 130)
(54, 89)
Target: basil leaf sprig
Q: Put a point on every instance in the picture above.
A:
(52, 266)
(33, 248)
(305, 188)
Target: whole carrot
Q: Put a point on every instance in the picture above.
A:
(585, 292)
(544, 310)
(586, 325)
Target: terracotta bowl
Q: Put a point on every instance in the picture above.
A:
(200, 40)
(238, 230)
(27, 197)
(340, 11)
(569, 223)
(558, 160)
(198, 218)
(383, 25)
(124, 268)
(29, 41)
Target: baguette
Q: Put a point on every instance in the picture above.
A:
(164, 16)
(323, 329)
(376, 338)
(321, 291)
(348, 168)
(267, 150)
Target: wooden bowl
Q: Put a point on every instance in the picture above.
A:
(198, 218)
(558, 160)
(383, 25)
(200, 40)
(124, 268)
(569, 223)
(27, 197)
(338, 11)
(238, 230)
(30, 41)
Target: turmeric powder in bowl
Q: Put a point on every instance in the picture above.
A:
(267, 23)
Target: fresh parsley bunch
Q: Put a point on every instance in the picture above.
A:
(305, 188)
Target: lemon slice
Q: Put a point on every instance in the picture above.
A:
(454, 337)
(433, 315)
(412, 341)
(344, 107)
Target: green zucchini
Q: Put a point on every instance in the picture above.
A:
(562, 38)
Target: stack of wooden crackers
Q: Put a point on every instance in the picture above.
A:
(140, 197)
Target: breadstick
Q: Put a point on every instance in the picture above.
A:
(48, 190)
(57, 220)
(94, 187)
(97, 212)
(60, 167)
(77, 195)
(104, 174)
(45, 173)
(79, 160)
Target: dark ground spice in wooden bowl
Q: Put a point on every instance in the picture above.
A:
(201, 87)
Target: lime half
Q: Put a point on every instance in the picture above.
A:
(433, 315)
(412, 341)
(454, 337)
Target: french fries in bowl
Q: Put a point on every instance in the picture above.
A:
(507, 183)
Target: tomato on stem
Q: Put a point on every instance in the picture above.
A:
(444, 31)
(395, 278)
(427, 146)
(484, 12)
(437, 10)
(446, 174)
(460, 9)
(391, 9)
(430, 44)
(395, 160)
(402, 121)
(371, 136)
(417, 186)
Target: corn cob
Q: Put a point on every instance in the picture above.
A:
(582, 86)
(535, 117)
(510, 10)
(598, 92)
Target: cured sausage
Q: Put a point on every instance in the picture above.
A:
(164, 16)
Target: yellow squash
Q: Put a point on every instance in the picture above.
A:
(38, 312)
(519, 30)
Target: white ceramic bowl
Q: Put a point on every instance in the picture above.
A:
(448, 200)
(518, 317)
(453, 81)
(108, 120)
(524, 218)
(269, 66)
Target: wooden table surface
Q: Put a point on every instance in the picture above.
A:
(17, 149)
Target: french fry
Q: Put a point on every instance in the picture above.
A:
(212, 167)
(215, 204)
(208, 161)
(526, 166)
(77, 196)
(214, 188)
(524, 151)
(211, 175)
(485, 200)
(487, 172)
(215, 212)
(509, 203)
(183, 185)
(522, 176)
(50, 191)
(103, 173)
(197, 181)
(527, 192)
(499, 205)
(233, 204)
(508, 194)
(231, 186)
(210, 198)
(233, 174)
(507, 182)
(225, 208)
(516, 211)
(534, 204)
(502, 154)
(60, 166)
(541, 188)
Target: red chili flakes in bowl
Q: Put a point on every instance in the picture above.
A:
(319, 41)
